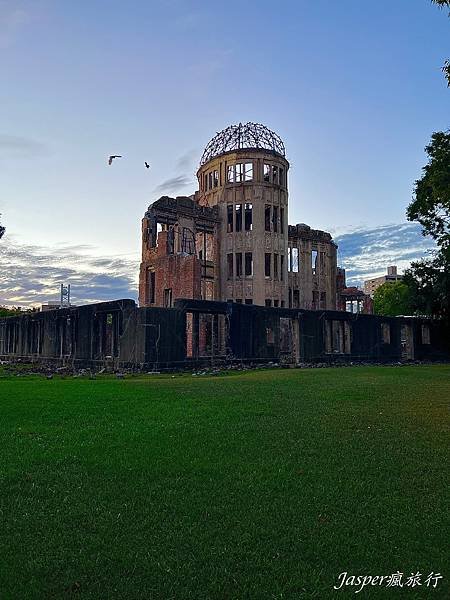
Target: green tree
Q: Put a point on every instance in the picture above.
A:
(9, 312)
(446, 71)
(392, 299)
(12, 311)
(431, 203)
(429, 284)
(429, 279)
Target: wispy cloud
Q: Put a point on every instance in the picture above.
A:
(12, 146)
(366, 253)
(174, 185)
(183, 166)
(31, 275)
(187, 161)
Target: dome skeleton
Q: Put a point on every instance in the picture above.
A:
(240, 137)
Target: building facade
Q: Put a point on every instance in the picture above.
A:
(230, 240)
(371, 285)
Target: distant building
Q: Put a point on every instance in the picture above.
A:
(52, 305)
(372, 284)
(55, 305)
(354, 300)
(351, 299)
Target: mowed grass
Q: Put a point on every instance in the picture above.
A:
(262, 484)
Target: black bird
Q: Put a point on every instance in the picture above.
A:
(147, 165)
(112, 157)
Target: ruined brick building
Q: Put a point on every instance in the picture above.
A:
(231, 240)
(224, 278)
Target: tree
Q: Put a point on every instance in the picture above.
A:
(392, 299)
(13, 311)
(446, 71)
(446, 67)
(429, 285)
(431, 204)
(9, 312)
(429, 279)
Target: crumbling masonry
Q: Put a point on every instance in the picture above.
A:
(230, 240)
(200, 332)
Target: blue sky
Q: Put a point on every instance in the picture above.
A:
(353, 88)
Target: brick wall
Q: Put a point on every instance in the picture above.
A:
(178, 272)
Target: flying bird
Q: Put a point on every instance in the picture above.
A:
(147, 165)
(112, 157)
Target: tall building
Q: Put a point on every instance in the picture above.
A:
(372, 284)
(231, 240)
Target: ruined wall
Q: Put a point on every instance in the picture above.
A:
(104, 334)
(118, 334)
(178, 273)
(179, 252)
(312, 269)
(164, 339)
(89, 333)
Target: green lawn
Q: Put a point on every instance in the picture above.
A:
(262, 484)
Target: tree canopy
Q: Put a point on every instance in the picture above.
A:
(392, 299)
(429, 285)
(9, 312)
(431, 204)
(429, 279)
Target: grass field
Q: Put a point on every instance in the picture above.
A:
(262, 484)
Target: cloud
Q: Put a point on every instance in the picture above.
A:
(12, 146)
(366, 253)
(173, 185)
(31, 275)
(188, 160)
